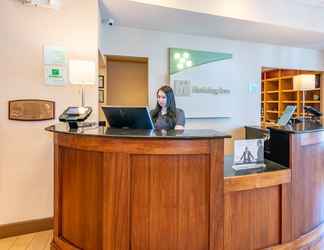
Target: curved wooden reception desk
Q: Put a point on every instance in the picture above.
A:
(148, 190)
(138, 190)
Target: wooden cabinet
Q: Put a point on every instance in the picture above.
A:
(277, 92)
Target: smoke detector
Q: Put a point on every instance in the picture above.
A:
(53, 4)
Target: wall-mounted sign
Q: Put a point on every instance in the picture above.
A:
(31, 110)
(202, 82)
(55, 62)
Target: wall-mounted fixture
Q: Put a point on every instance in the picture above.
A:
(82, 73)
(53, 4)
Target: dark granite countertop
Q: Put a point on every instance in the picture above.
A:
(307, 127)
(270, 166)
(95, 130)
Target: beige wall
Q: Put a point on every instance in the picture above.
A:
(127, 83)
(26, 152)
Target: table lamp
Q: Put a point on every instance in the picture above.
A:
(302, 83)
(82, 73)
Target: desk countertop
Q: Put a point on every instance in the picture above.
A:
(139, 133)
(230, 172)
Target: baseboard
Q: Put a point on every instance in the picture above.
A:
(25, 227)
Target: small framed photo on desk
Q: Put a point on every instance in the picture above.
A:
(101, 82)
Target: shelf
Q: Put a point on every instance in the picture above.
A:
(311, 101)
(288, 90)
(286, 77)
(289, 101)
(277, 91)
(312, 89)
(271, 79)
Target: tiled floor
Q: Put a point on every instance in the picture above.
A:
(34, 241)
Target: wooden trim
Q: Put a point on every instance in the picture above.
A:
(303, 241)
(132, 146)
(311, 138)
(127, 59)
(31, 100)
(216, 198)
(254, 181)
(25, 227)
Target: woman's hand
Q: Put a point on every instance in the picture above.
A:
(179, 127)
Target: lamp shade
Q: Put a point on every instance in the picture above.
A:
(82, 72)
(304, 82)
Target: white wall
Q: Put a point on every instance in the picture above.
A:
(248, 60)
(26, 152)
(289, 13)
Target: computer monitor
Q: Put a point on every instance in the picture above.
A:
(287, 115)
(128, 117)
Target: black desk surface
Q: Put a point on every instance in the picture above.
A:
(139, 133)
(297, 128)
(229, 171)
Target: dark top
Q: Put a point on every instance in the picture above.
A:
(138, 133)
(307, 127)
(162, 123)
(270, 166)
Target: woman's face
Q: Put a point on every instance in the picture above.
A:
(162, 99)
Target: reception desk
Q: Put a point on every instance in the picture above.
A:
(148, 190)
(138, 189)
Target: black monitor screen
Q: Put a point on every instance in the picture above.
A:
(128, 117)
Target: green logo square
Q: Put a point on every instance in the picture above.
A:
(55, 72)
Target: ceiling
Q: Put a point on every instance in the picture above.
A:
(152, 17)
(316, 3)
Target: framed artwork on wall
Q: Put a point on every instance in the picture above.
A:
(101, 96)
(101, 83)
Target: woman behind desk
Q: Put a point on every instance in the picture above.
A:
(166, 115)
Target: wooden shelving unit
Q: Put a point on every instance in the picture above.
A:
(277, 92)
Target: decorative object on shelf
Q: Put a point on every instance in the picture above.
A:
(82, 73)
(101, 83)
(31, 110)
(302, 83)
(202, 82)
(316, 97)
(101, 96)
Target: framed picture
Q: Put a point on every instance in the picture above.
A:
(101, 83)
(101, 96)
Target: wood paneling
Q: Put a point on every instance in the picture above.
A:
(116, 204)
(307, 163)
(252, 219)
(81, 198)
(310, 241)
(138, 194)
(134, 146)
(25, 227)
(216, 184)
(170, 202)
(254, 181)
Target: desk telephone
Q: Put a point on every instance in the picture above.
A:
(73, 115)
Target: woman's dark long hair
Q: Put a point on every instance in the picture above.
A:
(171, 106)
